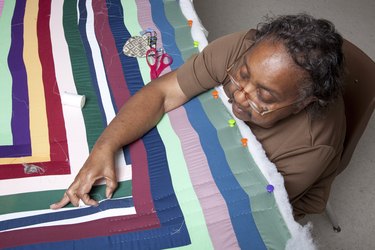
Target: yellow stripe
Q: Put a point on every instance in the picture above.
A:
(37, 107)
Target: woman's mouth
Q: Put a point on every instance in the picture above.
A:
(237, 110)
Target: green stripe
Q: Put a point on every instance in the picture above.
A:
(181, 28)
(43, 199)
(81, 73)
(182, 185)
(6, 137)
(266, 213)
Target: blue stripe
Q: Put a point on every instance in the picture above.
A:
(63, 215)
(90, 61)
(167, 33)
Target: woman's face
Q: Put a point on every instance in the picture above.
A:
(264, 85)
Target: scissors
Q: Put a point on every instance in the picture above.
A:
(157, 60)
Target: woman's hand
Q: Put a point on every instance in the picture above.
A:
(100, 164)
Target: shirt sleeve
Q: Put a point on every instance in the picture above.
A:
(308, 174)
(207, 69)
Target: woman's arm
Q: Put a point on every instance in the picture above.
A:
(138, 115)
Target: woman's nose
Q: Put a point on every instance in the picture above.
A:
(240, 97)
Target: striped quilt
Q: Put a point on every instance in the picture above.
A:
(190, 182)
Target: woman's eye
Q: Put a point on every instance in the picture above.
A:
(265, 96)
(243, 75)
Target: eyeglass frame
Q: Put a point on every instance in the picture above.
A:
(252, 104)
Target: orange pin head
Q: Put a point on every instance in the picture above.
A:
(244, 142)
(190, 22)
(215, 94)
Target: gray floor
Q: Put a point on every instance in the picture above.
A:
(353, 192)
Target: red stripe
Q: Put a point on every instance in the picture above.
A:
(112, 64)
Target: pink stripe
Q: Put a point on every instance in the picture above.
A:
(1, 6)
(211, 200)
(145, 20)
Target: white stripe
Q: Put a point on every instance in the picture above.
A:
(198, 32)
(98, 64)
(100, 215)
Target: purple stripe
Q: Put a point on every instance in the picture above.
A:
(210, 198)
(20, 117)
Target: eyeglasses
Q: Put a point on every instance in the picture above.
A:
(261, 110)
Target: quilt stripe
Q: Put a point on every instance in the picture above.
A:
(1, 7)
(37, 219)
(6, 137)
(145, 19)
(181, 31)
(112, 64)
(82, 26)
(24, 202)
(167, 33)
(100, 75)
(56, 126)
(37, 107)
(20, 100)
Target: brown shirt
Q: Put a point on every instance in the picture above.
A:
(305, 151)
